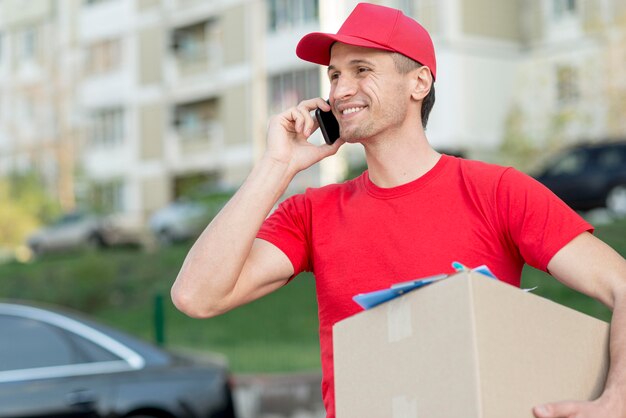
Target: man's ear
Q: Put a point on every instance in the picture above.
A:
(422, 81)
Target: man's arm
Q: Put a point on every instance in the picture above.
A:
(227, 266)
(592, 267)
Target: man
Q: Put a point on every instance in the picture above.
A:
(410, 215)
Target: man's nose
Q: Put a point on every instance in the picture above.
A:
(344, 87)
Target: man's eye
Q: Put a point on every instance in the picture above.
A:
(334, 76)
(363, 69)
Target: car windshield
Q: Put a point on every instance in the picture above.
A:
(573, 162)
(612, 158)
(70, 218)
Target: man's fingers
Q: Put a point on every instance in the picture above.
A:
(300, 118)
(304, 121)
(557, 410)
(307, 109)
(326, 150)
(308, 121)
(312, 104)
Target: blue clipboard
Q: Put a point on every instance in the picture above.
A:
(371, 299)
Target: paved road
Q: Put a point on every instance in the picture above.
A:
(279, 396)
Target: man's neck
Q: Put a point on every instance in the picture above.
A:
(395, 161)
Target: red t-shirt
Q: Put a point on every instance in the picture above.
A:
(356, 237)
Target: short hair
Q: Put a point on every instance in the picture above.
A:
(405, 65)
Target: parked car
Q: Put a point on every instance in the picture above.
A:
(589, 176)
(58, 364)
(85, 230)
(185, 218)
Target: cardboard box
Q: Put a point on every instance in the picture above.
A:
(466, 347)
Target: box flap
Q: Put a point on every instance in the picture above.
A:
(375, 298)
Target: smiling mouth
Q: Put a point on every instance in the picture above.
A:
(352, 110)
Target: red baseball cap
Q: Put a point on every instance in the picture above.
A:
(377, 27)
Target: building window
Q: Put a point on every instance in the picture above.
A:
(198, 47)
(564, 8)
(196, 185)
(25, 106)
(28, 44)
(567, 87)
(104, 57)
(285, 14)
(92, 2)
(107, 128)
(288, 89)
(198, 120)
(108, 197)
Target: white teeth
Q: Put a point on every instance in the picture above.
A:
(351, 110)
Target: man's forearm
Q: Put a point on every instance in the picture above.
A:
(615, 388)
(595, 269)
(214, 263)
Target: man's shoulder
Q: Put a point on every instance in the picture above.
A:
(488, 179)
(479, 173)
(335, 189)
(481, 167)
(322, 195)
(482, 175)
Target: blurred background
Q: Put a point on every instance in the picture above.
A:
(125, 125)
(123, 106)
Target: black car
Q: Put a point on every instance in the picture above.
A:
(56, 364)
(589, 176)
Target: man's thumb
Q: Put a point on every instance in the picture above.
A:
(555, 410)
(542, 411)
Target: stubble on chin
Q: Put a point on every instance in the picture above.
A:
(357, 133)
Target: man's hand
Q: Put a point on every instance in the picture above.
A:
(288, 133)
(600, 408)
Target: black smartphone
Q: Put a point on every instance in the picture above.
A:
(328, 125)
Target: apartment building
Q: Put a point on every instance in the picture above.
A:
(166, 97)
(571, 85)
(124, 105)
(127, 104)
(527, 74)
(37, 127)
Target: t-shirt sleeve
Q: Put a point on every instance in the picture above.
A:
(288, 228)
(537, 221)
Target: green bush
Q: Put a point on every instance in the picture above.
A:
(86, 284)
(25, 206)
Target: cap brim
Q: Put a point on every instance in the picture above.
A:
(315, 47)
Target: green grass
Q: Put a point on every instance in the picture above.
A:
(278, 333)
(275, 333)
(550, 288)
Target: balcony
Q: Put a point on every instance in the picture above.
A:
(197, 49)
(198, 135)
(198, 122)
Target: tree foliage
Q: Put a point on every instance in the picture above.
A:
(25, 206)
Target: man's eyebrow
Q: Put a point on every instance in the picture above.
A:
(352, 63)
